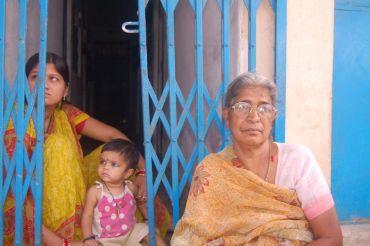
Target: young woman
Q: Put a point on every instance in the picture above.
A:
(65, 175)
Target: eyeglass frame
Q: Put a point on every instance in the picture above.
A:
(255, 108)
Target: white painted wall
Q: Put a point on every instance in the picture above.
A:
(55, 31)
(309, 77)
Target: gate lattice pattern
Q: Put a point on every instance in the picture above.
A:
(20, 174)
(178, 111)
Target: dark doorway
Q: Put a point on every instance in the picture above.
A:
(110, 66)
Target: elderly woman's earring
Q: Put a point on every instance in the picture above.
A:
(64, 98)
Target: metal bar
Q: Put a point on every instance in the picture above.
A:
(21, 78)
(161, 168)
(2, 129)
(170, 7)
(225, 60)
(252, 34)
(186, 109)
(213, 114)
(199, 79)
(280, 66)
(146, 117)
(157, 164)
(39, 149)
(186, 176)
(159, 110)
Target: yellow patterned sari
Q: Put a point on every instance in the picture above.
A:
(228, 205)
(64, 187)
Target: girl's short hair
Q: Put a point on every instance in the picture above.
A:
(125, 148)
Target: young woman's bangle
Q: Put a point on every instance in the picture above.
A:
(88, 238)
(66, 242)
(140, 172)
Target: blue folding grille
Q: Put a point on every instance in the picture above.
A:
(22, 174)
(199, 125)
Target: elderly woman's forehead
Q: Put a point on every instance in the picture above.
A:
(253, 89)
(249, 93)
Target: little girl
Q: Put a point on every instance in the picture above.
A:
(109, 214)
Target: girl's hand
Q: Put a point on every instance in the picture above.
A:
(91, 242)
(140, 182)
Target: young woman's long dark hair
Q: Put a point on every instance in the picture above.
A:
(59, 63)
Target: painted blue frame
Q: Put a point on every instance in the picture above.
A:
(22, 175)
(350, 130)
(198, 92)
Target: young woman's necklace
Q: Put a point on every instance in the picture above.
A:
(51, 120)
(115, 204)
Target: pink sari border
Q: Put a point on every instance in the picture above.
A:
(321, 205)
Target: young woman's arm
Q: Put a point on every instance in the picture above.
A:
(326, 229)
(98, 130)
(88, 215)
(140, 204)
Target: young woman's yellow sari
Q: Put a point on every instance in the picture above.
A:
(64, 187)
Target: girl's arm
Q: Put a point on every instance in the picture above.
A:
(88, 213)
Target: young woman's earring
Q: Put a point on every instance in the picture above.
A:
(64, 98)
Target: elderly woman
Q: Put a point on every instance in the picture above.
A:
(256, 191)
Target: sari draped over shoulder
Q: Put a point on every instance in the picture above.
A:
(228, 205)
(63, 188)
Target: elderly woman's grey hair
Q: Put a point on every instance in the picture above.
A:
(249, 80)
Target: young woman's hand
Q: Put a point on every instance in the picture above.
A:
(140, 182)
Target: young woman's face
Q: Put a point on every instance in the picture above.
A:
(55, 86)
(113, 168)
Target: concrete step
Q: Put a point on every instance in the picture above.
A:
(356, 234)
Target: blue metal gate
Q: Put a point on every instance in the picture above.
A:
(153, 104)
(20, 174)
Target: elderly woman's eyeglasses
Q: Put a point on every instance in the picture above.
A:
(243, 109)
